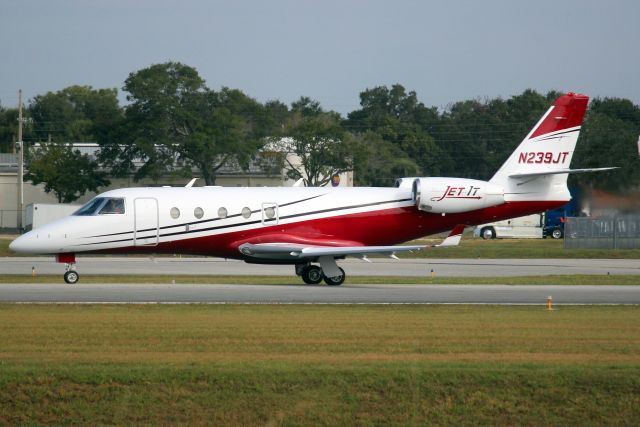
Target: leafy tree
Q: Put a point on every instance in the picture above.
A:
(400, 119)
(318, 141)
(8, 128)
(379, 163)
(175, 122)
(276, 114)
(306, 107)
(66, 172)
(609, 138)
(75, 114)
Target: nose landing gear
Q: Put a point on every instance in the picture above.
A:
(71, 276)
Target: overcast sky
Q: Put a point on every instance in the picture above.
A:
(329, 50)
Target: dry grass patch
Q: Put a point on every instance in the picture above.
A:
(316, 334)
(318, 365)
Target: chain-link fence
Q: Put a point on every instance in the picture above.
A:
(617, 232)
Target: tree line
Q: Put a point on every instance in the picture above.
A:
(173, 123)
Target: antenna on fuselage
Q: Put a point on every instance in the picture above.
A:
(190, 183)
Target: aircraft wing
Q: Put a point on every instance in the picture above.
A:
(298, 251)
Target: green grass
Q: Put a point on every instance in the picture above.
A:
(4, 246)
(412, 394)
(319, 365)
(574, 279)
(517, 248)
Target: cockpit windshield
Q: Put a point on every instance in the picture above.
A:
(112, 206)
(102, 206)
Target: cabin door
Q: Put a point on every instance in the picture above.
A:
(145, 222)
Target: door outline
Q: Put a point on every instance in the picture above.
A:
(265, 219)
(135, 223)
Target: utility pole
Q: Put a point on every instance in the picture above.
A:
(20, 164)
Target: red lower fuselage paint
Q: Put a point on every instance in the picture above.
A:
(373, 228)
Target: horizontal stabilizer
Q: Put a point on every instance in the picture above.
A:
(558, 172)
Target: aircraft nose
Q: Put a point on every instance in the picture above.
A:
(19, 244)
(24, 244)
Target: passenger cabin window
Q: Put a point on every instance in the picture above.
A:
(102, 206)
(112, 207)
(270, 212)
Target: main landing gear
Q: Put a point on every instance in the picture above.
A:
(312, 275)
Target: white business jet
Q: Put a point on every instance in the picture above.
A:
(312, 227)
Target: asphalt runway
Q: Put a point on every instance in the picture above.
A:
(317, 294)
(353, 267)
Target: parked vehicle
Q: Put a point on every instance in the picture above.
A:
(554, 229)
(524, 227)
(542, 225)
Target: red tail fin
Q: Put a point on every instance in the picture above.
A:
(566, 113)
(532, 170)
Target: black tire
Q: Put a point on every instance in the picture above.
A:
(336, 281)
(488, 233)
(557, 233)
(71, 277)
(312, 275)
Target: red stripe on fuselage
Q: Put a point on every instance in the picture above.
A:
(372, 228)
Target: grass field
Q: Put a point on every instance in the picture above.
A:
(488, 249)
(319, 365)
(574, 279)
(518, 248)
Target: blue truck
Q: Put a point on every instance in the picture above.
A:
(554, 219)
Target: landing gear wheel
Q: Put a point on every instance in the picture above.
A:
(337, 280)
(312, 275)
(71, 277)
(556, 233)
(488, 233)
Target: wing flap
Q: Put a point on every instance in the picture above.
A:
(356, 250)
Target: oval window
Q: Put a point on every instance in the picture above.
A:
(246, 212)
(198, 213)
(270, 212)
(175, 213)
(222, 213)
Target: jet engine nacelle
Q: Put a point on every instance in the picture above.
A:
(454, 195)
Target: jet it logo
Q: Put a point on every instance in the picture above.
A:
(458, 193)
